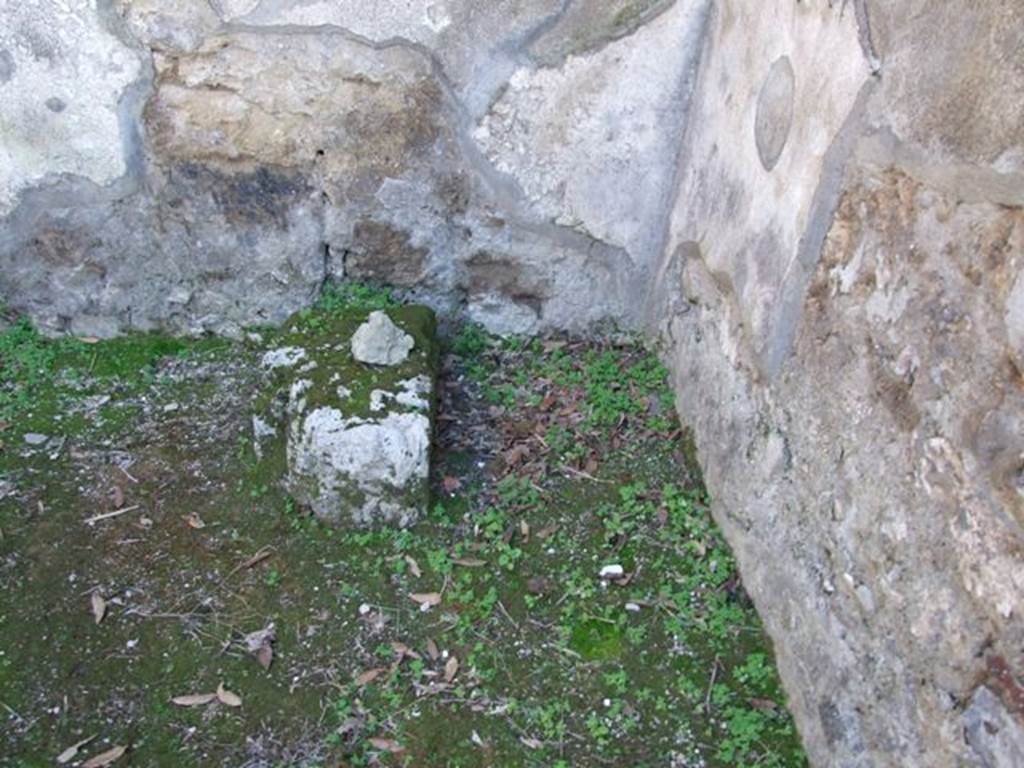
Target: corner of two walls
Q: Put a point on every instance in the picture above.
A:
(817, 205)
(841, 301)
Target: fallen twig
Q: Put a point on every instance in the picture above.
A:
(253, 561)
(109, 515)
(508, 616)
(13, 712)
(584, 475)
(711, 685)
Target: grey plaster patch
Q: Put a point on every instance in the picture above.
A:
(775, 112)
(994, 734)
(7, 66)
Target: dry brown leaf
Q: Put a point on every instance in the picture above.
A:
(369, 676)
(524, 530)
(548, 532)
(194, 699)
(265, 656)
(429, 599)
(105, 758)
(467, 562)
(89, 340)
(532, 743)
(195, 521)
(227, 698)
(451, 484)
(763, 705)
(260, 644)
(404, 650)
(538, 585)
(414, 567)
(387, 745)
(99, 607)
(451, 669)
(432, 650)
(71, 752)
(116, 496)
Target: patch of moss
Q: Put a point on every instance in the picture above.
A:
(597, 640)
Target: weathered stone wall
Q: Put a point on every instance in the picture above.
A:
(197, 165)
(841, 299)
(817, 204)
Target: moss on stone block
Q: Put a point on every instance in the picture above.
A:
(354, 438)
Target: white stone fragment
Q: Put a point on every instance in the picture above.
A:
(380, 342)
(379, 400)
(261, 431)
(415, 393)
(285, 357)
(613, 572)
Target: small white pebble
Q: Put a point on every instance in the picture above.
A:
(607, 702)
(613, 572)
(364, 609)
(132, 644)
(632, 607)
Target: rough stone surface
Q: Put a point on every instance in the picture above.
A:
(367, 467)
(844, 327)
(355, 440)
(263, 147)
(574, 144)
(62, 77)
(379, 341)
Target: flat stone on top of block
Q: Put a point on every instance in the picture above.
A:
(380, 342)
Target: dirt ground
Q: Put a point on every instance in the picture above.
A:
(567, 600)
